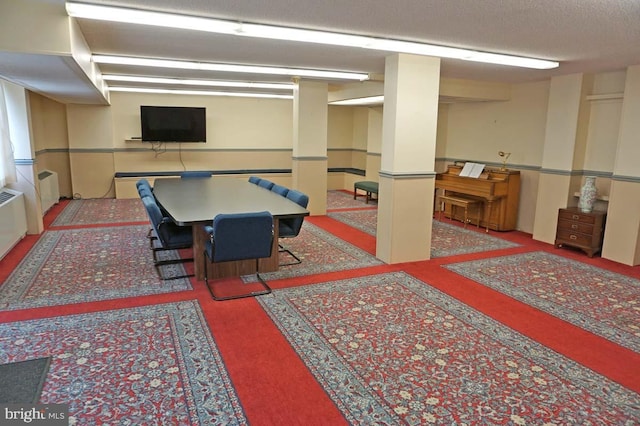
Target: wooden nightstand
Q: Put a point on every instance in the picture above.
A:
(580, 230)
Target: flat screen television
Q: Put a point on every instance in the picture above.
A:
(173, 124)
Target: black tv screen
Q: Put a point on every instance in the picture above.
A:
(173, 124)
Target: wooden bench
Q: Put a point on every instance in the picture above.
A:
(458, 201)
(369, 187)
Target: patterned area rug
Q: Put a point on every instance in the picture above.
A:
(389, 349)
(112, 210)
(364, 220)
(567, 289)
(85, 265)
(101, 210)
(446, 239)
(320, 252)
(450, 240)
(154, 365)
(337, 200)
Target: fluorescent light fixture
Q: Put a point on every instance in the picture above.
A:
(199, 92)
(192, 82)
(219, 26)
(145, 17)
(209, 66)
(370, 100)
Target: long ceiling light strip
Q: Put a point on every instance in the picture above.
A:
(136, 16)
(209, 66)
(370, 100)
(192, 82)
(198, 92)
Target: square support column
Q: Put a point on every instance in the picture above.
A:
(622, 232)
(310, 118)
(407, 177)
(564, 150)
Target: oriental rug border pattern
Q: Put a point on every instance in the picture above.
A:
(446, 239)
(389, 349)
(320, 252)
(101, 211)
(602, 302)
(87, 265)
(149, 365)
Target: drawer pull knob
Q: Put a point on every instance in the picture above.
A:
(575, 216)
(573, 237)
(574, 226)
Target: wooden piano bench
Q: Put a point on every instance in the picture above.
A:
(369, 187)
(458, 201)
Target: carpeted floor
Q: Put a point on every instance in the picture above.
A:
(101, 210)
(85, 265)
(320, 252)
(391, 350)
(343, 339)
(341, 200)
(447, 239)
(149, 365)
(567, 289)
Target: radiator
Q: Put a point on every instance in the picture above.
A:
(13, 219)
(49, 190)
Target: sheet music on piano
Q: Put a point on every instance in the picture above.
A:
(473, 170)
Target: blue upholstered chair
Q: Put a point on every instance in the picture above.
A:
(265, 183)
(290, 228)
(196, 174)
(143, 183)
(254, 180)
(240, 236)
(145, 191)
(280, 190)
(167, 236)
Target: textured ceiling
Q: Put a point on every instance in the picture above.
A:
(583, 35)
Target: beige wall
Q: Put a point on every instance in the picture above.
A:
(242, 134)
(257, 134)
(603, 134)
(341, 127)
(51, 139)
(90, 130)
(90, 127)
(361, 129)
(232, 123)
(340, 138)
(477, 131)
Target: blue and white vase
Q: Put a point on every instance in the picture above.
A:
(587, 194)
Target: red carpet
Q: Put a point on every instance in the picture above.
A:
(389, 349)
(275, 385)
(611, 360)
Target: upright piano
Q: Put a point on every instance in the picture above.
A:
(499, 191)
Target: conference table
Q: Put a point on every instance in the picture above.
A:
(196, 201)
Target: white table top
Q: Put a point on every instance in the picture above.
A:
(192, 200)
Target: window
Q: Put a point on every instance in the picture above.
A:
(7, 163)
